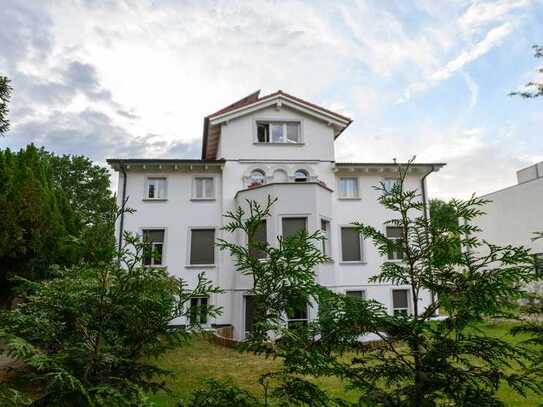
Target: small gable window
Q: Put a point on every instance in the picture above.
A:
(278, 132)
(301, 176)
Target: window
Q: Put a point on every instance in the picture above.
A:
(538, 262)
(257, 177)
(278, 132)
(260, 238)
(155, 188)
(280, 176)
(291, 226)
(198, 310)
(400, 302)
(297, 316)
(202, 246)
(204, 188)
(153, 247)
(350, 244)
(250, 313)
(348, 187)
(389, 183)
(356, 294)
(395, 234)
(325, 229)
(300, 176)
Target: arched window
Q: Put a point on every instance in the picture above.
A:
(257, 177)
(280, 176)
(301, 176)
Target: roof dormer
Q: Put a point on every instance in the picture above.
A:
(274, 132)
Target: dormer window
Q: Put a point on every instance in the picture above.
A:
(301, 176)
(257, 177)
(278, 132)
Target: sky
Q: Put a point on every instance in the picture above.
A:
(428, 78)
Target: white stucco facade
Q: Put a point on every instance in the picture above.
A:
(231, 151)
(516, 212)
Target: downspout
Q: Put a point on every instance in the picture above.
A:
(123, 201)
(425, 208)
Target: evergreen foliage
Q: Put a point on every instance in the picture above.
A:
(87, 336)
(53, 210)
(418, 360)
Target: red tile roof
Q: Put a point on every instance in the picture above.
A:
(254, 97)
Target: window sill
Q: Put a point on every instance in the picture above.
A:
(154, 199)
(346, 263)
(256, 143)
(200, 266)
(155, 266)
(203, 199)
(349, 199)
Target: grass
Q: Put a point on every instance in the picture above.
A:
(202, 359)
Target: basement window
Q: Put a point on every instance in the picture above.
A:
(400, 302)
(278, 132)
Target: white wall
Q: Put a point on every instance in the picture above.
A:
(316, 156)
(513, 215)
(239, 135)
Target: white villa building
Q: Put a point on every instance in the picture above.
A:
(277, 145)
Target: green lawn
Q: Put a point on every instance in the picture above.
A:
(202, 359)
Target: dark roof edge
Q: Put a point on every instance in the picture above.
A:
(162, 161)
(392, 163)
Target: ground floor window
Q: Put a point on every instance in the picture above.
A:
(400, 302)
(297, 316)
(356, 294)
(250, 312)
(198, 310)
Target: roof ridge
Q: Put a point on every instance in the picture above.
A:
(250, 98)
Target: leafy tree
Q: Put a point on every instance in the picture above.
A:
(87, 189)
(533, 89)
(86, 336)
(444, 220)
(5, 94)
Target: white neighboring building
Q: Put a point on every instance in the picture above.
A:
(516, 212)
(278, 145)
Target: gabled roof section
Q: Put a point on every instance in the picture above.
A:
(253, 102)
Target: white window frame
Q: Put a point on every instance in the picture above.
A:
(388, 183)
(306, 319)
(327, 244)
(362, 251)
(284, 138)
(244, 311)
(163, 263)
(189, 246)
(409, 305)
(199, 299)
(302, 215)
(357, 185)
(362, 290)
(148, 178)
(395, 239)
(197, 178)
